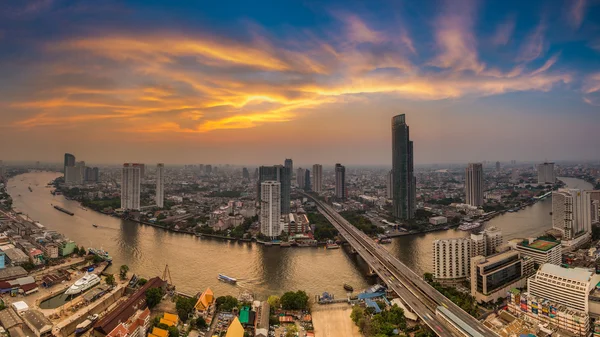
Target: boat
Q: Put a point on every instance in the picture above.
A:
(64, 210)
(227, 279)
(348, 287)
(383, 240)
(101, 253)
(332, 245)
(30, 190)
(83, 284)
(285, 244)
(95, 225)
(469, 225)
(85, 325)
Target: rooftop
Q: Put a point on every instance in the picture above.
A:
(540, 244)
(37, 319)
(577, 274)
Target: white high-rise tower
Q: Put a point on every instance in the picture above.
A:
(130, 186)
(474, 184)
(160, 185)
(270, 208)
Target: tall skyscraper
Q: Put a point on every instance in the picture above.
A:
(497, 166)
(405, 186)
(389, 184)
(245, 174)
(340, 181)
(289, 164)
(142, 170)
(574, 211)
(160, 185)
(130, 186)
(317, 178)
(2, 170)
(68, 162)
(546, 173)
(474, 184)
(270, 208)
(307, 180)
(300, 175)
(276, 173)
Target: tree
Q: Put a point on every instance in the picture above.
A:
(357, 314)
(294, 300)
(110, 280)
(153, 297)
(226, 303)
(142, 281)
(184, 307)
(428, 277)
(200, 323)
(173, 331)
(81, 251)
(274, 301)
(291, 331)
(123, 271)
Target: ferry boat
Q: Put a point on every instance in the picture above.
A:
(64, 210)
(101, 253)
(332, 245)
(468, 226)
(348, 287)
(83, 284)
(227, 279)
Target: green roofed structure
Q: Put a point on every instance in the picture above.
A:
(245, 315)
(540, 250)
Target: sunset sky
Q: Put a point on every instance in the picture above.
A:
(254, 82)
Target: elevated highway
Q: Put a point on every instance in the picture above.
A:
(443, 316)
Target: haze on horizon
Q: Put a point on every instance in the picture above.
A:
(254, 83)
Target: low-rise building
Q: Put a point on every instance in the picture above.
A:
(66, 248)
(438, 220)
(136, 326)
(15, 256)
(51, 250)
(542, 251)
(37, 322)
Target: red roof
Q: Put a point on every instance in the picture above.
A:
(28, 287)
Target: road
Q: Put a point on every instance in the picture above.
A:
(416, 293)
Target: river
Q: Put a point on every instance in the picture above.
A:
(194, 263)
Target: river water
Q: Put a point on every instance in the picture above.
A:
(194, 263)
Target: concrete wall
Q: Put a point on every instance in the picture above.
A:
(480, 298)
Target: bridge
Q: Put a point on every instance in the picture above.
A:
(443, 316)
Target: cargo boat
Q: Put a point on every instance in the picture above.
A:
(64, 210)
(85, 325)
(100, 253)
(468, 226)
(227, 279)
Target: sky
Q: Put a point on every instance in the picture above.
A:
(255, 82)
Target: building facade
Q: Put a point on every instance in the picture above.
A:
(160, 185)
(404, 183)
(546, 173)
(451, 259)
(317, 178)
(300, 177)
(541, 251)
(474, 184)
(289, 165)
(130, 186)
(389, 185)
(276, 173)
(270, 208)
(340, 181)
(307, 183)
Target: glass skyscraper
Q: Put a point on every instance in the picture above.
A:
(404, 183)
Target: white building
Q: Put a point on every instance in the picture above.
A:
(270, 208)
(389, 183)
(486, 242)
(546, 173)
(75, 175)
(474, 184)
(317, 182)
(574, 211)
(130, 186)
(438, 220)
(451, 259)
(160, 185)
(541, 251)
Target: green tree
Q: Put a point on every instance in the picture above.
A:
(184, 307)
(81, 251)
(123, 271)
(153, 297)
(201, 323)
(226, 303)
(428, 277)
(291, 331)
(357, 314)
(274, 301)
(294, 300)
(173, 331)
(142, 281)
(110, 280)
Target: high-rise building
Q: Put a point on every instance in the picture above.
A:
(389, 184)
(574, 211)
(270, 208)
(474, 184)
(340, 181)
(276, 173)
(307, 180)
(546, 173)
(497, 166)
(493, 276)
(540, 250)
(130, 186)
(245, 174)
(404, 186)
(160, 185)
(2, 170)
(317, 178)
(68, 162)
(96, 174)
(208, 169)
(300, 175)
(289, 165)
(142, 170)
(451, 259)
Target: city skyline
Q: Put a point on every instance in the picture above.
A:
(83, 78)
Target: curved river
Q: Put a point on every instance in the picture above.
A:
(194, 263)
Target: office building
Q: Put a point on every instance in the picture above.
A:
(317, 178)
(546, 173)
(289, 165)
(544, 312)
(270, 208)
(160, 185)
(208, 169)
(307, 183)
(340, 181)
(300, 177)
(493, 276)
(451, 259)
(573, 214)
(245, 174)
(497, 166)
(130, 186)
(404, 183)
(540, 250)
(389, 185)
(276, 173)
(474, 184)
(486, 241)
(69, 160)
